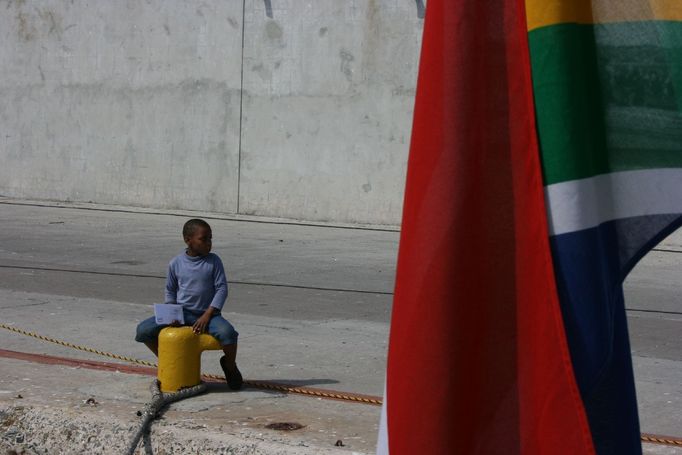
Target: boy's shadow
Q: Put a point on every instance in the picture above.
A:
(263, 385)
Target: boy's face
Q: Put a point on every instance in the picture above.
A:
(199, 243)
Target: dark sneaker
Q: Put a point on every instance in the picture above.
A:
(234, 377)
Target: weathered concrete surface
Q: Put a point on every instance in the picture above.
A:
(121, 102)
(140, 103)
(312, 305)
(329, 94)
(44, 409)
(327, 353)
(307, 335)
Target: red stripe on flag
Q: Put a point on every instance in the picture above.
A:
(476, 321)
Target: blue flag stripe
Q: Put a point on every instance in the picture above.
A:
(590, 266)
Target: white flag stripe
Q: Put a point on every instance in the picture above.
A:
(382, 442)
(586, 203)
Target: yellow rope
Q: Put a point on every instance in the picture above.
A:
(275, 386)
(256, 384)
(75, 346)
(655, 439)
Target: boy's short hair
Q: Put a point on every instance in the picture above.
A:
(191, 226)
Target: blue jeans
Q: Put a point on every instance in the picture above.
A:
(148, 330)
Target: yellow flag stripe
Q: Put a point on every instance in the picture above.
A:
(542, 13)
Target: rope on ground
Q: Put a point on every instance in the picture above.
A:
(650, 438)
(249, 383)
(77, 347)
(658, 439)
(266, 385)
(152, 409)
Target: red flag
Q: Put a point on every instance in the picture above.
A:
(478, 362)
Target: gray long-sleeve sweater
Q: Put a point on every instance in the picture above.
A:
(196, 282)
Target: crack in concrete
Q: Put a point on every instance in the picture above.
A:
(23, 305)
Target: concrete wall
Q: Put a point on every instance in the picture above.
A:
(287, 108)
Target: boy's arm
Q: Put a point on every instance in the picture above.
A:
(171, 286)
(220, 285)
(201, 323)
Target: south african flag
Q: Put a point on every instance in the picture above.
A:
(546, 160)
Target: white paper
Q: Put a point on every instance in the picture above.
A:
(166, 313)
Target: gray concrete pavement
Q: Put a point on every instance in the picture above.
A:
(312, 304)
(47, 408)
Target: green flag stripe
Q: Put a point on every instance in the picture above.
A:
(608, 97)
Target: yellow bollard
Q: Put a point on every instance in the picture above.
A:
(180, 357)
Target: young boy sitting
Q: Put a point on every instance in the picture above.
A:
(196, 280)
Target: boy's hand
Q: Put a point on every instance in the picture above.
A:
(202, 323)
(175, 323)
